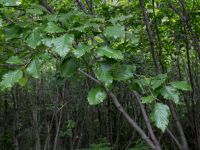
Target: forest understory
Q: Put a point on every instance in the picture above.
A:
(100, 75)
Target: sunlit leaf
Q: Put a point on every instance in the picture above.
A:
(170, 93)
(104, 74)
(158, 80)
(34, 39)
(14, 60)
(10, 78)
(160, 116)
(181, 85)
(81, 50)
(10, 2)
(110, 53)
(48, 42)
(115, 31)
(53, 28)
(96, 96)
(23, 81)
(148, 99)
(34, 68)
(63, 44)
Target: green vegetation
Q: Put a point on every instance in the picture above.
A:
(99, 75)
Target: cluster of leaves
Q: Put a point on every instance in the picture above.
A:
(75, 40)
(158, 91)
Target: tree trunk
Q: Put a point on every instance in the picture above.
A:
(16, 118)
(36, 128)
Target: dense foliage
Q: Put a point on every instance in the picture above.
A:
(100, 74)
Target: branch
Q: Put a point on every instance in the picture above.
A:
(80, 4)
(45, 5)
(90, 6)
(174, 138)
(124, 113)
(146, 119)
(150, 36)
(89, 76)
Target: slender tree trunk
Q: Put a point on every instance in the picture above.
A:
(58, 122)
(16, 118)
(150, 36)
(5, 123)
(47, 141)
(147, 121)
(132, 122)
(36, 128)
(158, 69)
(126, 115)
(179, 127)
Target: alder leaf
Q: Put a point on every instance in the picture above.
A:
(81, 50)
(104, 74)
(181, 85)
(34, 68)
(170, 93)
(108, 52)
(14, 60)
(53, 28)
(63, 44)
(123, 72)
(34, 39)
(10, 78)
(158, 81)
(68, 67)
(148, 99)
(96, 96)
(115, 31)
(160, 116)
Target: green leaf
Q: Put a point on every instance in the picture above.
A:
(10, 78)
(181, 85)
(158, 81)
(120, 18)
(140, 84)
(53, 28)
(170, 93)
(115, 31)
(23, 81)
(34, 68)
(48, 42)
(34, 39)
(9, 2)
(96, 96)
(81, 50)
(103, 73)
(1, 22)
(68, 67)
(108, 52)
(132, 38)
(12, 31)
(63, 44)
(148, 99)
(91, 25)
(123, 72)
(160, 116)
(34, 11)
(14, 60)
